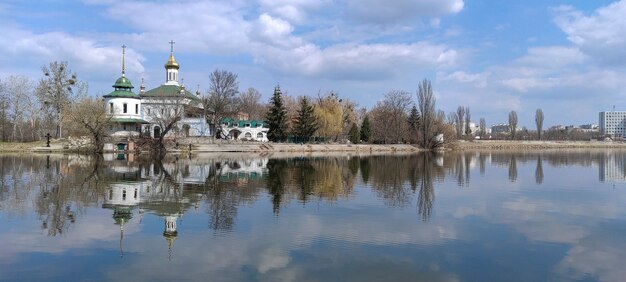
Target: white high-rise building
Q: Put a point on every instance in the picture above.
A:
(613, 123)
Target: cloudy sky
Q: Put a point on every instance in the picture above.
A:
(567, 57)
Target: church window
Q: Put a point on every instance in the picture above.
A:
(136, 108)
(248, 135)
(162, 111)
(111, 107)
(148, 110)
(135, 195)
(124, 126)
(125, 108)
(111, 194)
(124, 195)
(259, 135)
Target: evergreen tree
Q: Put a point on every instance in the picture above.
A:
(306, 125)
(277, 118)
(366, 131)
(414, 123)
(354, 134)
(414, 119)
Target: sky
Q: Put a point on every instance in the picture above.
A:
(493, 56)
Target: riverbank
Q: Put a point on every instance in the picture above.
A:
(252, 147)
(532, 145)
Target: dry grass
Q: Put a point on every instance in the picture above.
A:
(24, 147)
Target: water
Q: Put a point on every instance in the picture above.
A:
(556, 216)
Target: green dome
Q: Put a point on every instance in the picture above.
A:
(123, 82)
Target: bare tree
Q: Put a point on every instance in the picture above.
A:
(91, 115)
(249, 103)
(55, 90)
(18, 93)
(483, 128)
(428, 127)
(468, 119)
(513, 123)
(389, 117)
(539, 122)
(220, 100)
(165, 112)
(460, 118)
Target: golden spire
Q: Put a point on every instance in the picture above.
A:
(171, 62)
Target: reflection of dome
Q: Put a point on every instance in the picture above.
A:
(122, 214)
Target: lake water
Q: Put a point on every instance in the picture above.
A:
(556, 216)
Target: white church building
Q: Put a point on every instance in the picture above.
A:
(148, 112)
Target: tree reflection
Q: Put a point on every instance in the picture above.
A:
(426, 194)
(512, 168)
(539, 171)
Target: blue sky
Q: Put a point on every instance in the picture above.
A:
(566, 57)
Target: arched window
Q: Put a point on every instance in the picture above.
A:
(248, 135)
(259, 135)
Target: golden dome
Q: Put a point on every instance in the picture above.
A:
(171, 63)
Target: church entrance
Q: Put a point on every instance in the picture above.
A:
(157, 132)
(234, 134)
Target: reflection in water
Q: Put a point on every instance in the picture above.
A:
(539, 171)
(512, 168)
(272, 218)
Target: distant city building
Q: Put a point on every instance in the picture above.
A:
(500, 128)
(613, 123)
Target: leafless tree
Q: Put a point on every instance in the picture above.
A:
(55, 90)
(428, 127)
(249, 103)
(483, 128)
(468, 119)
(91, 115)
(460, 118)
(513, 123)
(539, 122)
(18, 93)
(221, 98)
(164, 112)
(389, 117)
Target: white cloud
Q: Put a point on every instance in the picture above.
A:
(478, 79)
(393, 11)
(552, 57)
(292, 10)
(83, 53)
(600, 35)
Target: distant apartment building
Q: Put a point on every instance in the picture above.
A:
(613, 123)
(500, 128)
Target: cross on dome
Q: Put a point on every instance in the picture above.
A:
(172, 46)
(123, 54)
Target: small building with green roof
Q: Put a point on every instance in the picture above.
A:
(124, 107)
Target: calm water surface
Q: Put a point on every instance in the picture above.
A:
(556, 216)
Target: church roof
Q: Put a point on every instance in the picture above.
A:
(123, 89)
(165, 91)
(128, 120)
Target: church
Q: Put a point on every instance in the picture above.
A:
(152, 112)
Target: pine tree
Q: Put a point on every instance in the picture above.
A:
(414, 119)
(414, 123)
(306, 125)
(277, 118)
(366, 131)
(354, 134)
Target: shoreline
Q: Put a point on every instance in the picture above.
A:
(474, 145)
(497, 145)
